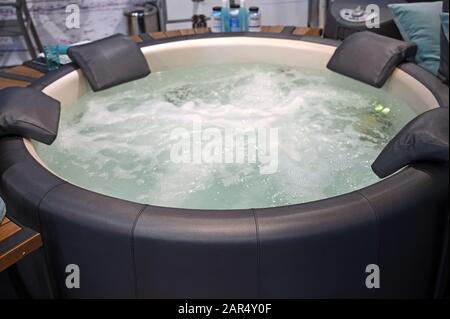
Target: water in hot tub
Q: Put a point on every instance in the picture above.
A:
(171, 139)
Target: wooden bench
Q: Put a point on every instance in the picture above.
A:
(16, 242)
(299, 31)
(20, 76)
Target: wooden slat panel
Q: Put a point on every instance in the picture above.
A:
(267, 29)
(25, 71)
(202, 30)
(20, 251)
(276, 29)
(308, 31)
(187, 32)
(272, 29)
(7, 230)
(172, 34)
(5, 221)
(158, 35)
(6, 83)
(136, 38)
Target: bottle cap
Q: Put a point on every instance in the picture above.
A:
(235, 6)
(253, 9)
(217, 9)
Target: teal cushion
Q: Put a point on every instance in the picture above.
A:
(420, 23)
(444, 17)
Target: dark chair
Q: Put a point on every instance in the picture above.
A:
(22, 26)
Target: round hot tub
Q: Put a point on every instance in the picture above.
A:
(140, 191)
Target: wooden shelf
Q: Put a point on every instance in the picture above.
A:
(25, 71)
(15, 243)
(299, 31)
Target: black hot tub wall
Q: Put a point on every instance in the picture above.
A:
(316, 250)
(23, 182)
(93, 232)
(412, 211)
(313, 250)
(196, 254)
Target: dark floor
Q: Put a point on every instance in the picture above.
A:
(7, 290)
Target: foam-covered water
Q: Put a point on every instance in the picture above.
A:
(118, 142)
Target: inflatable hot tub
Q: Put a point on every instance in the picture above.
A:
(319, 249)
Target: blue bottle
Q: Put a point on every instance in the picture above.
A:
(235, 18)
(225, 16)
(243, 17)
(52, 55)
(216, 20)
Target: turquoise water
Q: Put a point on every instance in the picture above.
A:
(162, 140)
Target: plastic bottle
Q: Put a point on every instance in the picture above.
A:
(243, 17)
(254, 20)
(2, 210)
(225, 16)
(216, 20)
(235, 18)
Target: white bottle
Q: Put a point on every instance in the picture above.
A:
(216, 20)
(254, 20)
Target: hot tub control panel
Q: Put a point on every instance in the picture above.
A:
(358, 14)
(345, 17)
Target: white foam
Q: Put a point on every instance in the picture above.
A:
(117, 141)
